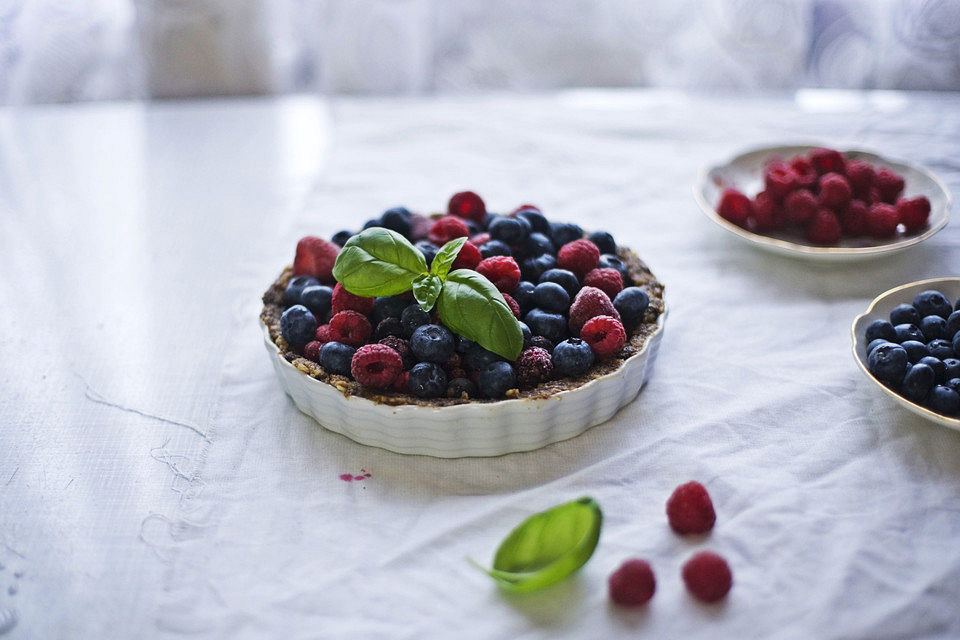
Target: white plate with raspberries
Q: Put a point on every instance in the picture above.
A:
(822, 204)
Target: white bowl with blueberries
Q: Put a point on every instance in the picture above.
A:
(908, 342)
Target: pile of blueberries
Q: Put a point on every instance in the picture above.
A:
(915, 352)
(437, 362)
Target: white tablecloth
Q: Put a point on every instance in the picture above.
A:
(155, 481)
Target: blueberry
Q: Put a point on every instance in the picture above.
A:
(429, 251)
(340, 237)
(904, 314)
(397, 219)
(953, 383)
(335, 357)
(608, 261)
(318, 300)
(479, 358)
(572, 357)
(389, 307)
(511, 230)
(952, 326)
(550, 296)
(495, 248)
(880, 329)
(944, 400)
(552, 326)
(488, 220)
(876, 343)
(564, 232)
(538, 221)
(527, 334)
(291, 295)
(544, 343)
(564, 278)
(532, 268)
(460, 386)
(934, 327)
(631, 303)
(956, 343)
(915, 350)
(372, 222)
(473, 227)
(496, 379)
(298, 325)
(908, 332)
(888, 363)
(427, 380)
(412, 317)
(538, 244)
(939, 369)
(941, 349)
(932, 303)
(464, 345)
(604, 241)
(523, 294)
(951, 368)
(917, 382)
(432, 343)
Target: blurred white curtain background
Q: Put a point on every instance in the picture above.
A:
(66, 50)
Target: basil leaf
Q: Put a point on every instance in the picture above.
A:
(547, 547)
(426, 289)
(378, 262)
(471, 306)
(448, 253)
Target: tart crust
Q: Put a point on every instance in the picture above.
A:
(641, 275)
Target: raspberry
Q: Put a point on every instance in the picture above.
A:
(467, 204)
(446, 229)
(402, 347)
(402, 382)
(323, 334)
(633, 584)
(480, 239)
(590, 302)
(579, 256)
(800, 206)
(311, 350)
(534, 366)
(890, 185)
(502, 271)
(735, 207)
(542, 342)
(607, 280)
(767, 215)
(874, 197)
(827, 161)
(806, 174)
(376, 365)
(343, 300)
(861, 176)
(453, 363)
(780, 179)
(824, 228)
(315, 257)
(468, 258)
(349, 327)
(689, 509)
(913, 213)
(526, 207)
(853, 219)
(388, 327)
(512, 304)
(835, 191)
(882, 220)
(707, 576)
(604, 334)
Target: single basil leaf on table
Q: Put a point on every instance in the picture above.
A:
(378, 262)
(471, 306)
(445, 258)
(548, 546)
(426, 289)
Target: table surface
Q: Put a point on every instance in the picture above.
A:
(155, 481)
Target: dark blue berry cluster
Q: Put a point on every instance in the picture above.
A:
(916, 352)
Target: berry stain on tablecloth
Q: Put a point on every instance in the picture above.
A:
(349, 477)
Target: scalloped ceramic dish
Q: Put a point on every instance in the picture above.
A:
(880, 309)
(745, 172)
(472, 429)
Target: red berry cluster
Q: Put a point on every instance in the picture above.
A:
(828, 196)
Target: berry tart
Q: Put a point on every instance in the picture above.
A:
(462, 333)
